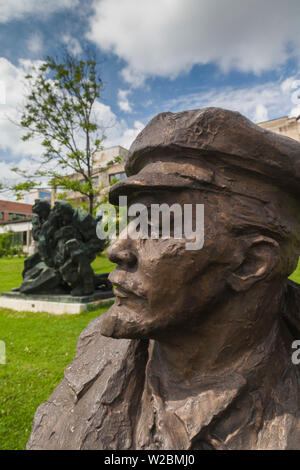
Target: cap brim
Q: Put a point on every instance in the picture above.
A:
(162, 175)
(148, 182)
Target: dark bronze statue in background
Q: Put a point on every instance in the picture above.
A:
(67, 244)
(196, 351)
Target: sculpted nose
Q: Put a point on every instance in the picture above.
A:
(120, 253)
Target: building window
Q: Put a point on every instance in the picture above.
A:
(117, 177)
(1, 215)
(15, 216)
(43, 195)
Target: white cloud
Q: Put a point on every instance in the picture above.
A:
(6, 173)
(261, 113)
(72, 44)
(116, 131)
(123, 101)
(259, 103)
(133, 76)
(19, 9)
(35, 44)
(291, 86)
(168, 37)
(13, 80)
(7, 178)
(127, 135)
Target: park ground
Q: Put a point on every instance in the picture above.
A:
(39, 346)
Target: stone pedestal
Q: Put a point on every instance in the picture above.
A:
(55, 304)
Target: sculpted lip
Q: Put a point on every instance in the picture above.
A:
(121, 292)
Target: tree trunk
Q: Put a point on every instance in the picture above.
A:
(91, 203)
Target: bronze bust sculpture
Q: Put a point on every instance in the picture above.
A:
(196, 351)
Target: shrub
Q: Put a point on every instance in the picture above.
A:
(10, 244)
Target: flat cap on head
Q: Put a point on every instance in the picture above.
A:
(184, 149)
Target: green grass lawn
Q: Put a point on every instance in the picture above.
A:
(296, 274)
(39, 346)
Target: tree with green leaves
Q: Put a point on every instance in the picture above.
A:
(60, 110)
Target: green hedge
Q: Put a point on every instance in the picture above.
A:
(11, 244)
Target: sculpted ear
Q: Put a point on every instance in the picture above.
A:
(259, 256)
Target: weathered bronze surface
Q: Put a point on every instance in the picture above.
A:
(196, 351)
(67, 244)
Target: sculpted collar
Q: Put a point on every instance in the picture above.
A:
(231, 411)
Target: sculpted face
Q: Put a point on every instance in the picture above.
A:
(41, 208)
(159, 284)
(63, 212)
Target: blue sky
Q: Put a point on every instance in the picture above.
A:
(158, 55)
